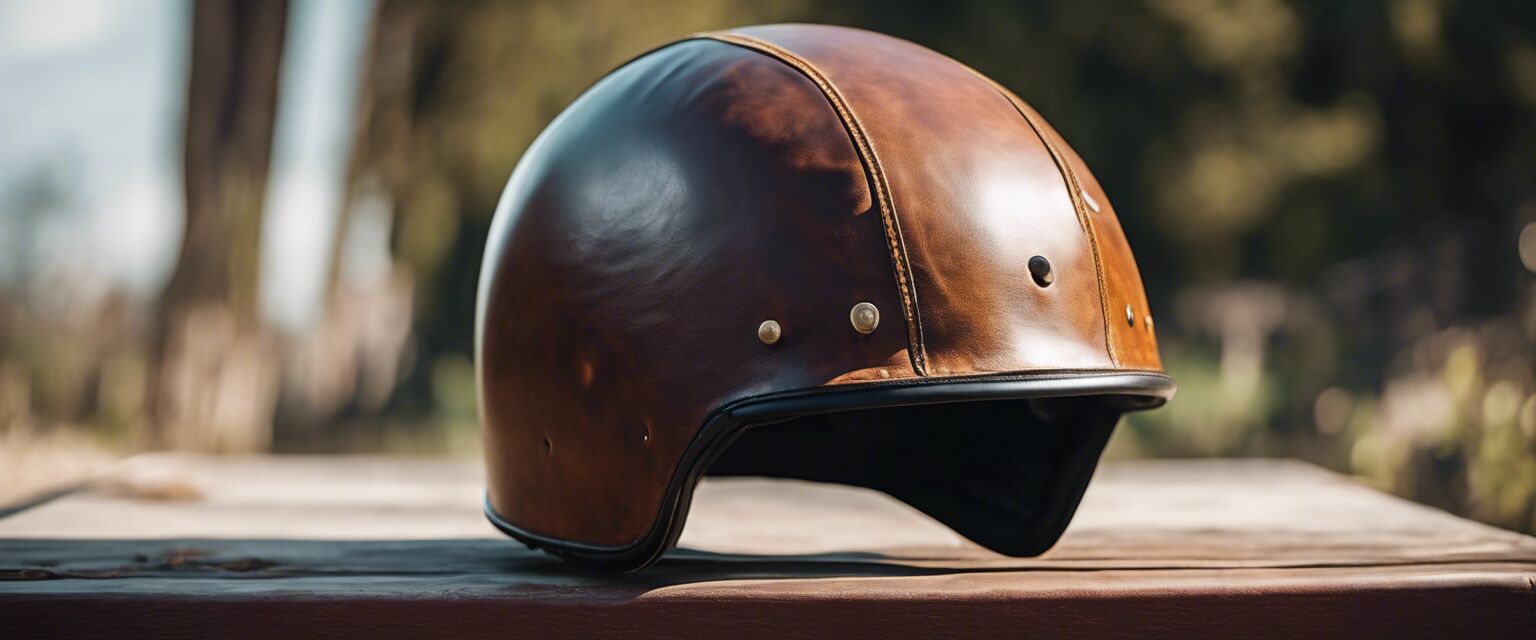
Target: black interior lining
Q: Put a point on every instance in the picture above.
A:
(1006, 474)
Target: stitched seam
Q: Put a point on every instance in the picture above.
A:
(895, 243)
(1074, 192)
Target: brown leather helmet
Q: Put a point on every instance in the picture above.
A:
(808, 252)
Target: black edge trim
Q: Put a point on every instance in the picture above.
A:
(1127, 390)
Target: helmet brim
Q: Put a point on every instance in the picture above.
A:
(1016, 523)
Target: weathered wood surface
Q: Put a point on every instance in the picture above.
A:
(187, 546)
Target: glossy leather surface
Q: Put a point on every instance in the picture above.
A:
(783, 173)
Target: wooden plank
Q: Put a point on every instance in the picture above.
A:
(333, 545)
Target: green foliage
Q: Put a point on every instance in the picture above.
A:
(1331, 203)
(1321, 196)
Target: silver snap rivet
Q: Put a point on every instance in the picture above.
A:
(865, 317)
(1130, 316)
(769, 331)
(1040, 270)
(1147, 320)
(1092, 204)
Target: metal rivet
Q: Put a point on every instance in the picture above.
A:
(769, 331)
(1130, 316)
(1147, 320)
(865, 317)
(1092, 204)
(1040, 268)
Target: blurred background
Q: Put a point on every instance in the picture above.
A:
(256, 226)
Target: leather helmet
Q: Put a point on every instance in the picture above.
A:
(808, 252)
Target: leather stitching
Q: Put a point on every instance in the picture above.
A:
(1074, 191)
(894, 240)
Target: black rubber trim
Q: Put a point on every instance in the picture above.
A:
(1126, 390)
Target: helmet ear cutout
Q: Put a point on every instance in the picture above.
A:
(1006, 474)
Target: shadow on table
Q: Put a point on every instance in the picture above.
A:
(480, 562)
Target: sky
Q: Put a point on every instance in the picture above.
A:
(93, 99)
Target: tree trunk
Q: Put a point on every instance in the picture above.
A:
(217, 377)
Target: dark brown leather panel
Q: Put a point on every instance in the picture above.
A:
(606, 329)
(878, 183)
(977, 194)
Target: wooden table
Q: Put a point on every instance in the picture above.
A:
(340, 546)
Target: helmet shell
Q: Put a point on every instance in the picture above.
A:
(785, 173)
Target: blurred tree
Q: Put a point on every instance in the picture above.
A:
(1332, 205)
(216, 379)
(451, 95)
(1324, 198)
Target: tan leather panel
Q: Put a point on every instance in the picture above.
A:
(1135, 346)
(608, 328)
(1134, 343)
(976, 194)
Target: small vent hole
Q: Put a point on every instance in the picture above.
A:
(1040, 270)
